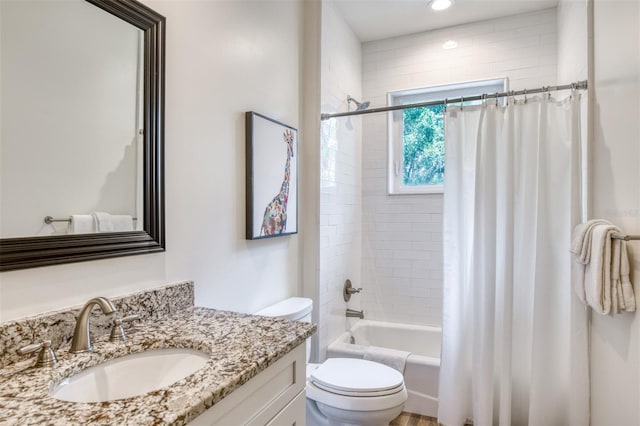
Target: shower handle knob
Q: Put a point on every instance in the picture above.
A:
(348, 290)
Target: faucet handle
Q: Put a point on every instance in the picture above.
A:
(46, 357)
(348, 290)
(117, 329)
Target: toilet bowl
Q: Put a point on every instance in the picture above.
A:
(345, 391)
(349, 391)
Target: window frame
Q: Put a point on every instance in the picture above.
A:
(395, 140)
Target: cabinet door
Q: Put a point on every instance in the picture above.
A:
(261, 399)
(293, 414)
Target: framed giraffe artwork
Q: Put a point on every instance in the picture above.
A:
(272, 177)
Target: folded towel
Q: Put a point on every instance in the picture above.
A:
(622, 295)
(103, 222)
(628, 293)
(597, 281)
(81, 224)
(390, 357)
(617, 302)
(122, 222)
(581, 241)
(601, 272)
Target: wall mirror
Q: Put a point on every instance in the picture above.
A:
(81, 131)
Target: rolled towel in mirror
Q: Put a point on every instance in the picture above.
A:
(122, 222)
(81, 224)
(103, 222)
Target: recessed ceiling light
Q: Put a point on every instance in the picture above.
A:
(451, 44)
(440, 4)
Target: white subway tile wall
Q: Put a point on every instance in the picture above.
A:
(341, 177)
(402, 234)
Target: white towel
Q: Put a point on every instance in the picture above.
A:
(122, 222)
(617, 302)
(103, 222)
(390, 357)
(81, 224)
(603, 280)
(597, 275)
(628, 293)
(622, 296)
(581, 241)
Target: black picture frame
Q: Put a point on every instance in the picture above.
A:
(271, 177)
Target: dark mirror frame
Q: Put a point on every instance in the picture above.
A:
(29, 252)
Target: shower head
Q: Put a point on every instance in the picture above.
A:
(360, 106)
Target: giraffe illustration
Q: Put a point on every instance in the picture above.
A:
(275, 214)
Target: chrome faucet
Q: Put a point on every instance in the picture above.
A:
(81, 341)
(355, 314)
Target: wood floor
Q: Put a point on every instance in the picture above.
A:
(409, 419)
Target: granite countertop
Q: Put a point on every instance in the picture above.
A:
(240, 346)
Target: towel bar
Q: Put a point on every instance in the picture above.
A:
(626, 237)
(49, 219)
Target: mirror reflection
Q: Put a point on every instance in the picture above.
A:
(71, 120)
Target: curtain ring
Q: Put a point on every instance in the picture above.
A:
(525, 96)
(446, 103)
(461, 103)
(496, 99)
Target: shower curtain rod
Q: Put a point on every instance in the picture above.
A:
(579, 85)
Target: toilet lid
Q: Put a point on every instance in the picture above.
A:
(357, 377)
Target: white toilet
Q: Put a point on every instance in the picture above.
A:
(344, 391)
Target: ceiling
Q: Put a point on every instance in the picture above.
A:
(380, 19)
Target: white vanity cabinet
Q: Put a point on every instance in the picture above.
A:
(274, 397)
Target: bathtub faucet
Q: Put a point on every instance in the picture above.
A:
(355, 314)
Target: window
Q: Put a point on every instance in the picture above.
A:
(416, 135)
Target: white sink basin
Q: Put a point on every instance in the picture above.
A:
(130, 375)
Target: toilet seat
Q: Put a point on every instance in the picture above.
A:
(358, 393)
(357, 377)
(356, 384)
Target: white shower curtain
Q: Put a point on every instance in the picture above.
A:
(514, 349)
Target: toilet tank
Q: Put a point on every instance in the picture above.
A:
(293, 309)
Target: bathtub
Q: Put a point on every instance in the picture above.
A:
(423, 365)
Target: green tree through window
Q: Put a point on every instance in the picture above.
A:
(423, 146)
(416, 160)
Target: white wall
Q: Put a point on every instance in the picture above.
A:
(573, 37)
(340, 175)
(223, 58)
(615, 341)
(402, 235)
(310, 152)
